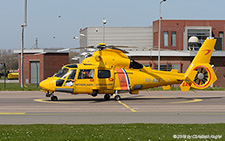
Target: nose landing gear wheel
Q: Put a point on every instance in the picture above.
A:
(107, 97)
(117, 97)
(54, 98)
(48, 94)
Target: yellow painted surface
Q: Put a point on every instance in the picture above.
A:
(13, 75)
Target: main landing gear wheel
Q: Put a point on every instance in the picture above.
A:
(54, 98)
(117, 97)
(94, 93)
(107, 97)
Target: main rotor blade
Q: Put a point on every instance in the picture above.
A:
(110, 46)
(68, 49)
(124, 51)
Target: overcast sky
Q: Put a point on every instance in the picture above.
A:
(56, 22)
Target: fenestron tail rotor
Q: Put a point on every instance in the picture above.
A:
(202, 76)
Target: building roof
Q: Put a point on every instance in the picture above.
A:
(41, 50)
(171, 53)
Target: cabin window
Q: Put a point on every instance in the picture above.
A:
(104, 74)
(86, 74)
(62, 73)
(72, 74)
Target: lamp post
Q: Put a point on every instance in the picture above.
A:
(75, 38)
(22, 41)
(103, 34)
(159, 32)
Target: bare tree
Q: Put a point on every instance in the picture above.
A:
(9, 58)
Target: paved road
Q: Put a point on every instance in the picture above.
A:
(147, 107)
(9, 81)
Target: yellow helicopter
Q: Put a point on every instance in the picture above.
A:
(109, 71)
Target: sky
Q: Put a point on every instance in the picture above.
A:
(56, 22)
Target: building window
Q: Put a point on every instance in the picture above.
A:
(221, 36)
(173, 38)
(177, 67)
(164, 67)
(169, 67)
(201, 34)
(165, 38)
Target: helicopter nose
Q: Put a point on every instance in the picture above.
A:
(47, 85)
(44, 84)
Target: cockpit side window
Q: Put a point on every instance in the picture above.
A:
(70, 79)
(86, 74)
(72, 74)
(62, 72)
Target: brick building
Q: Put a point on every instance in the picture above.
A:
(176, 33)
(37, 67)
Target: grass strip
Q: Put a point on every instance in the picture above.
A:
(17, 87)
(178, 89)
(113, 132)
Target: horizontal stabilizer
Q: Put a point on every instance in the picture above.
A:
(167, 87)
(186, 85)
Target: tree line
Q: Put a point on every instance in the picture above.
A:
(9, 58)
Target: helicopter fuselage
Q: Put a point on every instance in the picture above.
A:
(85, 79)
(110, 71)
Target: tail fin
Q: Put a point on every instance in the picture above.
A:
(200, 74)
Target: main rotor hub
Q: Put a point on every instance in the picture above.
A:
(101, 46)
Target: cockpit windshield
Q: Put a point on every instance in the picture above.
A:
(62, 73)
(72, 74)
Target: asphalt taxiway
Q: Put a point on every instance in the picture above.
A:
(29, 107)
